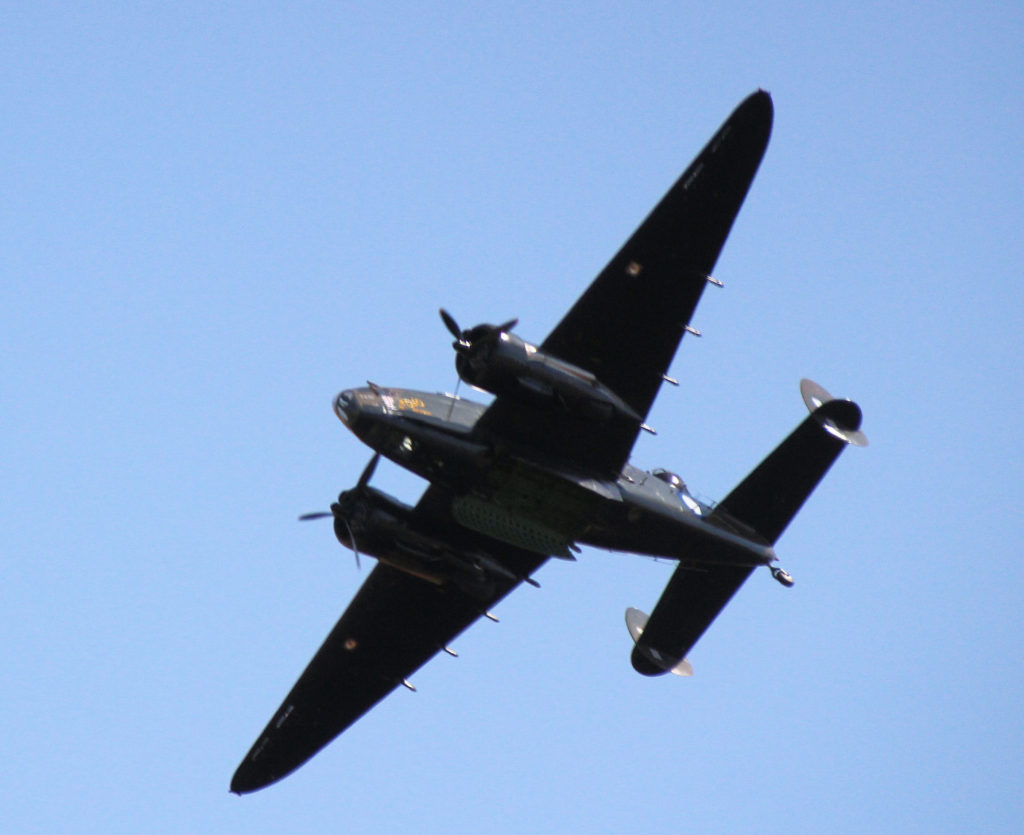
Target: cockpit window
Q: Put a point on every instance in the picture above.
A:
(671, 479)
(679, 486)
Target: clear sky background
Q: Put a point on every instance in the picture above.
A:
(215, 216)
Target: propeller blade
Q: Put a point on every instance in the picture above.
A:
(451, 324)
(352, 539)
(465, 341)
(368, 472)
(346, 504)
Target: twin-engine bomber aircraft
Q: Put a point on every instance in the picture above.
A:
(544, 469)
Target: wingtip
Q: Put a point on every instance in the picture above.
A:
(247, 780)
(761, 100)
(754, 115)
(239, 789)
(237, 786)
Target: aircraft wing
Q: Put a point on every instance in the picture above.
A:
(393, 626)
(626, 326)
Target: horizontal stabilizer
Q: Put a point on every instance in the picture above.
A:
(688, 606)
(766, 500)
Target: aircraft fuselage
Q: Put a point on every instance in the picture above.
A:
(540, 506)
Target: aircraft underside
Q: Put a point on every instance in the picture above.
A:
(545, 469)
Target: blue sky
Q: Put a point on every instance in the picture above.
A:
(216, 216)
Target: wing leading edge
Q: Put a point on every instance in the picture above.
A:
(627, 325)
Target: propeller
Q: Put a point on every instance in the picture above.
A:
(467, 340)
(347, 503)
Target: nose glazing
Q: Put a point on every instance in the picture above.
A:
(345, 407)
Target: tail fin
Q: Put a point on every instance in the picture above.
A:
(768, 498)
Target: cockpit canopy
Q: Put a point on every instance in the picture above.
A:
(671, 479)
(679, 488)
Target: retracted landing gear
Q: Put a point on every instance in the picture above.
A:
(783, 576)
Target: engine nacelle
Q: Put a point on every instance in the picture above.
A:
(503, 364)
(379, 525)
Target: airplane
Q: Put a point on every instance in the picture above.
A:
(544, 470)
